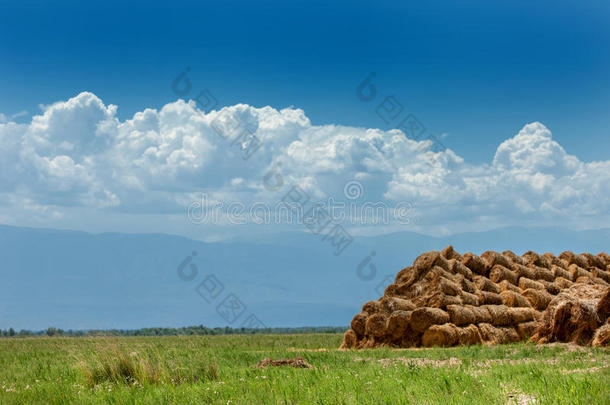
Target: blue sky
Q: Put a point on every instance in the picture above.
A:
(475, 70)
(518, 92)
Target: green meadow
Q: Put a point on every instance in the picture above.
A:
(222, 370)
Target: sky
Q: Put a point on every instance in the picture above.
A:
(94, 136)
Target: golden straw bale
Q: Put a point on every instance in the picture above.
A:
(448, 253)
(376, 325)
(459, 268)
(349, 340)
(492, 258)
(534, 259)
(520, 315)
(403, 275)
(539, 299)
(481, 314)
(576, 272)
(560, 272)
(499, 273)
(490, 334)
(602, 336)
(469, 299)
(469, 335)
(449, 287)
(605, 258)
(510, 334)
(553, 259)
(527, 329)
(440, 300)
(524, 271)
(594, 261)
(603, 306)
(525, 283)
(391, 304)
(422, 318)
(486, 297)
(485, 284)
(358, 324)
(604, 275)
(398, 322)
(551, 287)
(544, 274)
(461, 315)
(513, 299)
(371, 307)
(563, 283)
(513, 257)
(500, 315)
(440, 335)
(506, 285)
(475, 263)
(410, 338)
(465, 284)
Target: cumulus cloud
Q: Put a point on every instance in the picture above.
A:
(77, 155)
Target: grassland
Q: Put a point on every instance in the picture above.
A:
(221, 369)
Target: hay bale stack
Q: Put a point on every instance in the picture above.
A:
(447, 299)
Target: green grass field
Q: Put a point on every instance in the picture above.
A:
(221, 369)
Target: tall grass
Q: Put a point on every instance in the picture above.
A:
(119, 366)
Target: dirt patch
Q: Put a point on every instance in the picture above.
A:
(297, 362)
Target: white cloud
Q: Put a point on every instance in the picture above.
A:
(77, 155)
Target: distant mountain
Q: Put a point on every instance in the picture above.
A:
(79, 280)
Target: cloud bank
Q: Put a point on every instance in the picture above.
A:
(77, 157)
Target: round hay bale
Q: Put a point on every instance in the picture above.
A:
(524, 271)
(358, 324)
(469, 335)
(527, 329)
(350, 340)
(539, 299)
(465, 284)
(425, 261)
(442, 263)
(481, 314)
(398, 322)
(550, 287)
(371, 307)
(510, 334)
(461, 315)
(544, 274)
(469, 299)
(423, 318)
(520, 315)
(525, 283)
(449, 287)
(580, 261)
(376, 325)
(459, 268)
(410, 338)
(490, 334)
(448, 253)
(513, 299)
(605, 257)
(392, 304)
(513, 257)
(492, 258)
(485, 284)
(499, 273)
(594, 261)
(391, 291)
(403, 275)
(440, 300)
(475, 263)
(602, 336)
(440, 335)
(489, 298)
(604, 275)
(603, 306)
(500, 315)
(506, 285)
(560, 272)
(534, 259)
(553, 259)
(563, 283)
